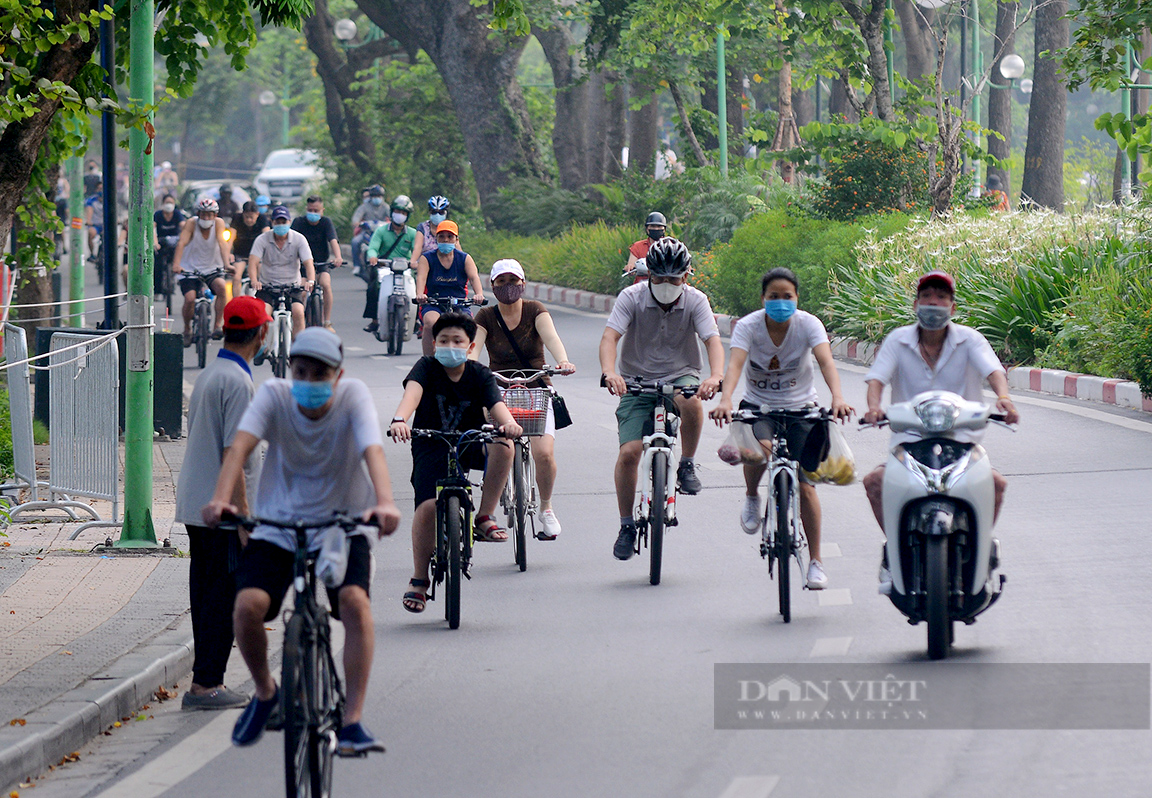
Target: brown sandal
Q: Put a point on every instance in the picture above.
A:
(414, 601)
(493, 533)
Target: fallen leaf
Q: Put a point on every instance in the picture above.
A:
(162, 694)
(65, 653)
(269, 629)
(17, 722)
(6, 543)
(146, 706)
(11, 612)
(125, 719)
(141, 716)
(13, 794)
(106, 733)
(72, 757)
(116, 725)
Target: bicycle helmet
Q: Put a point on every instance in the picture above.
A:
(376, 190)
(655, 219)
(402, 203)
(668, 257)
(207, 204)
(263, 199)
(438, 203)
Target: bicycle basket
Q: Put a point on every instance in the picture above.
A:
(529, 408)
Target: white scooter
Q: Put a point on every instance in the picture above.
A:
(395, 319)
(939, 501)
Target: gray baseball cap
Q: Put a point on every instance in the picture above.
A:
(321, 344)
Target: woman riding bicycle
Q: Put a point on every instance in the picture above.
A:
(517, 326)
(447, 273)
(426, 230)
(777, 344)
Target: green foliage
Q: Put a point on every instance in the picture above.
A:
(7, 462)
(590, 258)
(812, 248)
(873, 177)
(528, 207)
(1134, 340)
(1134, 136)
(488, 246)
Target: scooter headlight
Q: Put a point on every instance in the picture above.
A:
(938, 415)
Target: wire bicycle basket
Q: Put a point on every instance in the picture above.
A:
(529, 408)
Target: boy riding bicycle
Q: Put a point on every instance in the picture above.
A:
(448, 392)
(660, 321)
(325, 455)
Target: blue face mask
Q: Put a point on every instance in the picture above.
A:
(311, 395)
(450, 356)
(376, 200)
(780, 310)
(280, 229)
(444, 248)
(436, 218)
(312, 217)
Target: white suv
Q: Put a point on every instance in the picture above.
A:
(288, 175)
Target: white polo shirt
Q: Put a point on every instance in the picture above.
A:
(965, 363)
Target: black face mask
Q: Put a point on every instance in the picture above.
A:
(655, 235)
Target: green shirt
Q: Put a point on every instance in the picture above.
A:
(383, 239)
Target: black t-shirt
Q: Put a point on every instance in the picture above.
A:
(245, 235)
(450, 406)
(318, 236)
(168, 227)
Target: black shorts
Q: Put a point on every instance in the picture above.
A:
(430, 465)
(265, 566)
(807, 438)
(321, 268)
(271, 297)
(193, 284)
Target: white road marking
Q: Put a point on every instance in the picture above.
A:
(831, 647)
(353, 349)
(829, 550)
(751, 787)
(835, 597)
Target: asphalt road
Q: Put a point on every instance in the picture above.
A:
(578, 678)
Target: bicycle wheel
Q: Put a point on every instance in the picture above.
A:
(314, 310)
(326, 713)
(295, 708)
(203, 331)
(280, 362)
(452, 518)
(656, 517)
(396, 337)
(936, 613)
(783, 543)
(520, 490)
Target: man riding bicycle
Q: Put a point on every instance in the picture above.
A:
(167, 224)
(325, 455)
(276, 261)
(246, 227)
(659, 321)
(321, 235)
(202, 250)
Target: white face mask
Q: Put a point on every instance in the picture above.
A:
(399, 218)
(168, 207)
(665, 293)
(206, 223)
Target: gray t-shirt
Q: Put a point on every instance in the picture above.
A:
(313, 468)
(281, 266)
(219, 399)
(659, 344)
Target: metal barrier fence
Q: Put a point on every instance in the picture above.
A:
(85, 429)
(23, 442)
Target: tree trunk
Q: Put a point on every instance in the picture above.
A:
(869, 18)
(786, 133)
(916, 30)
(803, 107)
(20, 142)
(570, 134)
(838, 105)
(1000, 100)
(642, 136)
(1141, 96)
(616, 131)
(478, 67)
(1043, 181)
(597, 147)
(686, 124)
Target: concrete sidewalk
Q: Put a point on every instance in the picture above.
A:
(86, 639)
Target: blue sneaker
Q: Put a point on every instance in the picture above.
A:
(250, 725)
(355, 740)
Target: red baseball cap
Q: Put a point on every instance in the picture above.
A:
(245, 313)
(939, 279)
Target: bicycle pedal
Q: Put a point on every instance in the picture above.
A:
(353, 754)
(672, 522)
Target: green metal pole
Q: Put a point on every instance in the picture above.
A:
(75, 253)
(138, 530)
(1126, 109)
(722, 102)
(889, 51)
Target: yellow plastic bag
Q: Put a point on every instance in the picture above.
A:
(838, 466)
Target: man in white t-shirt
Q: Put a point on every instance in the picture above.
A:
(934, 354)
(325, 455)
(778, 344)
(278, 257)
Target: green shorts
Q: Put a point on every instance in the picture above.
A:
(634, 413)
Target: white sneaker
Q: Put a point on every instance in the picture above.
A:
(550, 526)
(885, 586)
(817, 579)
(750, 516)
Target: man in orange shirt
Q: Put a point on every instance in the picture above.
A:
(657, 227)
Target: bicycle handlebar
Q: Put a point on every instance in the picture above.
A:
(524, 376)
(751, 414)
(346, 522)
(448, 301)
(636, 387)
(486, 434)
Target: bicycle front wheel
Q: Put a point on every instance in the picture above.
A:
(520, 489)
(656, 517)
(783, 542)
(295, 708)
(280, 359)
(315, 310)
(452, 522)
(203, 327)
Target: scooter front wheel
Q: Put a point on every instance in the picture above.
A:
(936, 612)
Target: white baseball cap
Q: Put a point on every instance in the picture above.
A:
(507, 266)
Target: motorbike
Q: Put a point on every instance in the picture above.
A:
(939, 501)
(394, 315)
(360, 241)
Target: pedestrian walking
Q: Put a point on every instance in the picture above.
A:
(220, 397)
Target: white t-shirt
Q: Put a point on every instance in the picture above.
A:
(781, 376)
(313, 468)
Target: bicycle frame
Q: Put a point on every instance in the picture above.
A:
(780, 461)
(666, 426)
(280, 331)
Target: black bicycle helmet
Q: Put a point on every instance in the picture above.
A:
(656, 219)
(376, 190)
(668, 257)
(438, 204)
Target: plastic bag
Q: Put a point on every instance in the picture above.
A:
(332, 563)
(838, 466)
(741, 446)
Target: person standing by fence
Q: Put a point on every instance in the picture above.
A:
(220, 397)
